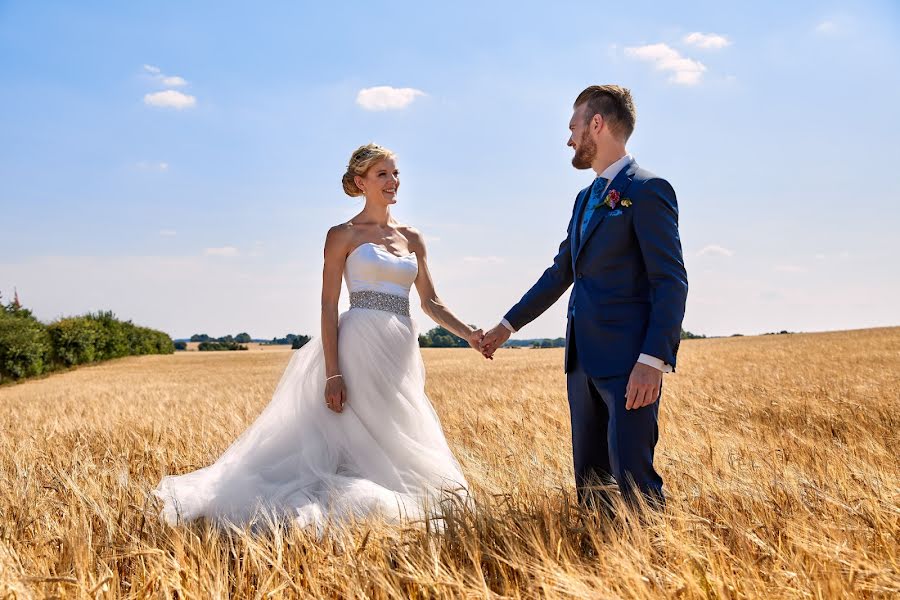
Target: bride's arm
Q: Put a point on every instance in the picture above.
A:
(432, 305)
(335, 255)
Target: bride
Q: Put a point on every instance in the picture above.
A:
(349, 431)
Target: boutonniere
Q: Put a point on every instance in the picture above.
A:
(612, 199)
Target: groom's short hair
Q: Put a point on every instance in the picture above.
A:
(613, 103)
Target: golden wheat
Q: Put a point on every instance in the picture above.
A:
(779, 453)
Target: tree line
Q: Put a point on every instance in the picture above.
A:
(29, 347)
(236, 342)
(440, 337)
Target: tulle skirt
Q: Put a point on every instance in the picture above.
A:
(385, 454)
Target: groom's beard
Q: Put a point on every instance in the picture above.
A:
(584, 154)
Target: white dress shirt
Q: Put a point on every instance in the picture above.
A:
(609, 174)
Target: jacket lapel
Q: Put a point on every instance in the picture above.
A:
(574, 235)
(620, 183)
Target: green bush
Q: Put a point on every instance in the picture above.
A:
(28, 347)
(164, 343)
(25, 348)
(76, 340)
(114, 341)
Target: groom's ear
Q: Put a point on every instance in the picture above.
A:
(597, 123)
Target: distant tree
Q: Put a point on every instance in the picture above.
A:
(440, 337)
(687, 335)
(219, 346)
(291, 339)
(559, 342)
(200, 337)
(299, 341)
(243, 338)
(181, 345)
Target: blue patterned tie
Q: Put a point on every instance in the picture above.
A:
(593, 201)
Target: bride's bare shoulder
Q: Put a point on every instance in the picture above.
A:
(338, 237)
(414, 237)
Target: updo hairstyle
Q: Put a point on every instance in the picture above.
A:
(361, 161)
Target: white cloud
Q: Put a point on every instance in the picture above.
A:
(161, 79)
(167, 232)
(223, 251)
(826, 27)
(386, 97)
(173, 81)
(715, 250)
(685, 71)
(152, 165)
(707, 41)
(790, 269)
(170, 99)
(484, 260)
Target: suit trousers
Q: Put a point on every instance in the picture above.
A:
(609, 443)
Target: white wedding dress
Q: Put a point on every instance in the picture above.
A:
(385, 453)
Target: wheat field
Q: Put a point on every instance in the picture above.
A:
(779, 454)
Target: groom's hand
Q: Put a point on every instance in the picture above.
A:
(643, 386)
(493, 339)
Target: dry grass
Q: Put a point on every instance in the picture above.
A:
(780, 456)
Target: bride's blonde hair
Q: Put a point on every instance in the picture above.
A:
(361, 161)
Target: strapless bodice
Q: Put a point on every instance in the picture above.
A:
(371, 267)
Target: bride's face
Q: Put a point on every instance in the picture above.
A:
(381, 182)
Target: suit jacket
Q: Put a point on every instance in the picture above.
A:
(630, 284)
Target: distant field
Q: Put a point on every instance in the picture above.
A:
(779, 453)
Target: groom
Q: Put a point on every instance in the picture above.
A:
(623, 253)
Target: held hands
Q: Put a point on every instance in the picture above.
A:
(475, 339)
(643, 386)
(493, 339)
(335, 394)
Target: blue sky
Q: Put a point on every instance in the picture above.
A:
(179, 163)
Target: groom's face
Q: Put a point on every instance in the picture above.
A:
(580, 139)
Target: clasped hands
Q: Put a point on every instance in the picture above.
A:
(644, 383)
(487, 343)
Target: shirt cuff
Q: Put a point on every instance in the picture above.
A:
(655, 363)
(506, 324)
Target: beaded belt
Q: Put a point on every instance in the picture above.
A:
(380, 301)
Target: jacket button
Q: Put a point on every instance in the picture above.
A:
(579, 276)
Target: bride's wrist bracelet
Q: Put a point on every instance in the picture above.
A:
(333, 376)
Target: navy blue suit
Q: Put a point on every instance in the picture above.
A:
(630, 288)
